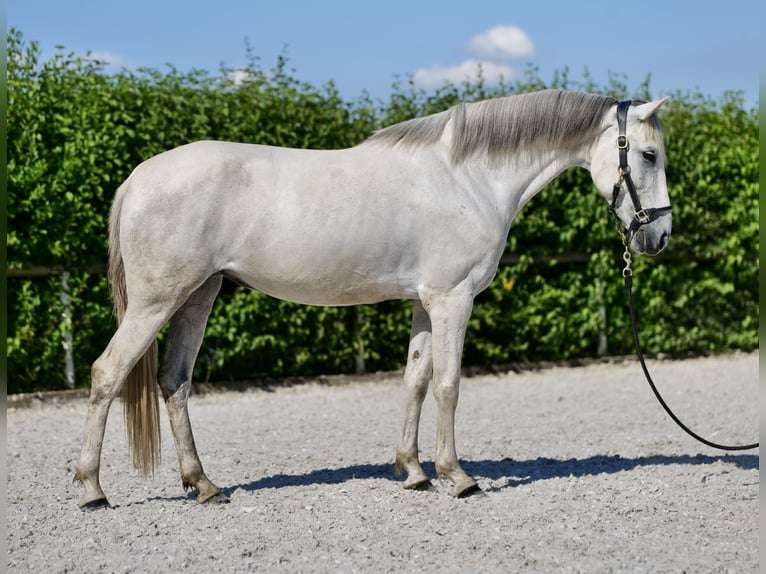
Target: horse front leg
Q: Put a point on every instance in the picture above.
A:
(417, 376)
(449, 318)
(185, 334)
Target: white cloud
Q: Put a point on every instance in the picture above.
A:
(501, 43)
(490, 50)
(110, 58)
(238, 76)
(436, 75)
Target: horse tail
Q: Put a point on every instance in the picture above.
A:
(140, 392)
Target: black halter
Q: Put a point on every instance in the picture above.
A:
(641, 216)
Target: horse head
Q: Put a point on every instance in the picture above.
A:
(628, 168)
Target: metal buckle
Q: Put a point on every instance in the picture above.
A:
(642, 216)
(622, 142)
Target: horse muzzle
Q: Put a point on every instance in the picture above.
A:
(652, 238)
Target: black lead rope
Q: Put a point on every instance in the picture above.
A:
(642, 217)
(629, 286)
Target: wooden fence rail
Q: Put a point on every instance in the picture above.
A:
(100, 268)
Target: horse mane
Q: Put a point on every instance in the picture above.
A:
(498, 127)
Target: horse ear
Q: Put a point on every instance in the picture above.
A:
(646, 110)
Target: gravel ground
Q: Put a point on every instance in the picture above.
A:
(581, 471)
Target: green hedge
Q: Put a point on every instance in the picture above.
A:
(75, 132)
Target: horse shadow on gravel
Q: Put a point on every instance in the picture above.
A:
(507, 472)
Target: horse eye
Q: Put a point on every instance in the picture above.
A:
(650, 156)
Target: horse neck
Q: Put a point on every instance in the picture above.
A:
(518, 179)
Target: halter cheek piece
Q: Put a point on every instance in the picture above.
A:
(641, 216)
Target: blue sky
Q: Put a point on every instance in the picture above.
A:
(684, 45)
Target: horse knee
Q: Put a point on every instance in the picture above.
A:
(417, 385)
(170, 383)
(176, 396)
(418, 373)
(448, 393)
(101, 388)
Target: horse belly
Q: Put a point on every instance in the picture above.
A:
(312, 285)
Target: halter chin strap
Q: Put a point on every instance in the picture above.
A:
(641, 216)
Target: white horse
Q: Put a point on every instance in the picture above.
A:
(421, 210)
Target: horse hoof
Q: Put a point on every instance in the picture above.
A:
(95, 504)
(464, 488)
(213, 498)
(469, 490)
(423, 485)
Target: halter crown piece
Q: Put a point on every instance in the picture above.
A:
(641, 216)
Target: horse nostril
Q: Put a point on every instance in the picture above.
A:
(664, 240)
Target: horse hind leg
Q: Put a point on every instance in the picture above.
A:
(129, 344)
(184, 338)
(417, 377)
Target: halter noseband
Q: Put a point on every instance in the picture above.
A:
(641, 216)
